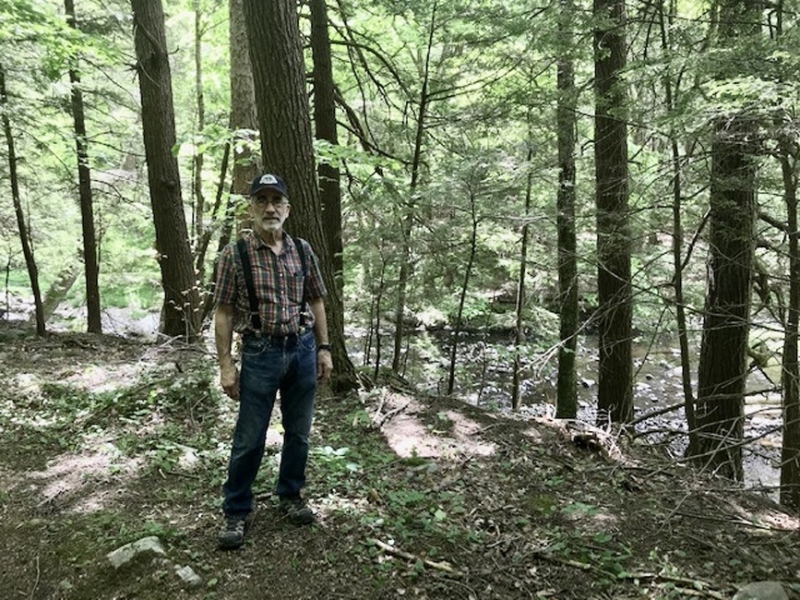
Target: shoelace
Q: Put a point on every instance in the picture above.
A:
(236, 525)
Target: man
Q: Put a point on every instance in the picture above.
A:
(284, 347)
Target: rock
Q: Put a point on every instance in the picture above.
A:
(761, 590)
(188, 575)
(123, 555)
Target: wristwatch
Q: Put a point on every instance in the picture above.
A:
(323, 347)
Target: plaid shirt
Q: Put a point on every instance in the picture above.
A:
(278, 280)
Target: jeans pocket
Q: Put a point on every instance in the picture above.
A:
(308, 342)
(253, 346)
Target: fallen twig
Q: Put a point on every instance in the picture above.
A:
(442, 566)
(693, 591)
(38, 576)
(391, 414)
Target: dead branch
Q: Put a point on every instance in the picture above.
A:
(442, 566)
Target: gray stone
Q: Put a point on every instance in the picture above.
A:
(125, 554)
(188, 575)
(761, 590)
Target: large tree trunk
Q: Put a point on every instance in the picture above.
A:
(244, 117)
(325, 125)
(27, 251)
(90, 263)
(287, 144)
(615, 386)
(243, 124)
(567, 392)
(722, 371)
(180, 313)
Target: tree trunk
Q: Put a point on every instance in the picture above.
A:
(567, 391)
(180, 312)
(90, 263)
(473, 248)
(197, 183)
(677, 243)
(243, 124)
(27, 251)
(615, 386)
(244, 117)
(325, 125)
(516, 400)
(408, 221)
(287, 145)
(57, 291)
(722, 371)
(790, 454)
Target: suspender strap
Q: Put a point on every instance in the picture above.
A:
(299, 245)
(255, 317)
(244, 255)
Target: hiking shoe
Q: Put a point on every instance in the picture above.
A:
(296, 510)
(232, 537)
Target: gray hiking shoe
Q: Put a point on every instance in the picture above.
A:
(232, 537)
(296, 510)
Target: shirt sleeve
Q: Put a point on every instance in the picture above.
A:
(225, 291)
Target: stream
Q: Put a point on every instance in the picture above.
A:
(484, 378)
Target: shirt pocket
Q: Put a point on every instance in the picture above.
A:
(296, 288)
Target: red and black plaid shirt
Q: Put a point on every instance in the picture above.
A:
(278, 282)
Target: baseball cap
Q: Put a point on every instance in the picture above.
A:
(268, 181)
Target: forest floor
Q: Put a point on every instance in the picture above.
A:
(104, 441)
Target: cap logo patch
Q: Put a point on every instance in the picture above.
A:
(268, 180)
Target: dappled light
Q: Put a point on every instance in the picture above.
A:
(451, 436)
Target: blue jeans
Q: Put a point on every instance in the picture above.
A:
(268, 365)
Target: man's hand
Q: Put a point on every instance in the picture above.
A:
(229, 379)
(324, 365)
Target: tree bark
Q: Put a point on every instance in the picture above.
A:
(677, 240)
(90, 262)
(325, 129)
(790, 452)
(243, 124)
(722, 371)
(287, 145)
(24, 238)
(473, 248)
(615, 385)
(567, 391)
(516, 400)
(244, 117)
(199, 157)
(180, 312)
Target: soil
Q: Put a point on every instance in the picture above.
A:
(106, 440)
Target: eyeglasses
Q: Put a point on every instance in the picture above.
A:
(263, 202)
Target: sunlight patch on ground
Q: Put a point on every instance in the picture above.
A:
(68, 476)
(408, 436)
(766, 517)
(103, 378)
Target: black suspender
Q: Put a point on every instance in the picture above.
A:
(244, 255)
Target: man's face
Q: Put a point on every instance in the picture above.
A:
(269, 210)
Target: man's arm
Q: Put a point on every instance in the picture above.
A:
(324, 359)
(223, 336)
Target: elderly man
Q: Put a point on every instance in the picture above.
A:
(270, 290)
